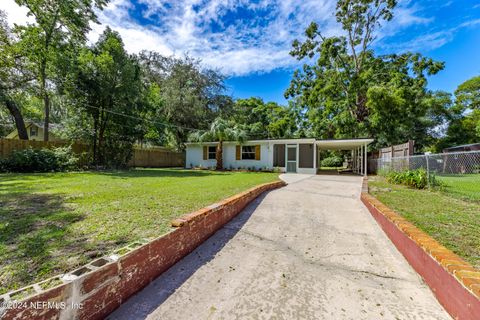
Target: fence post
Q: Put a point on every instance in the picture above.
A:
(428, 171)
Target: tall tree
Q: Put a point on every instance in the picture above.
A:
(265, 120)
(13, 75)
(191, 96)
(463, 117)
(108, 89)
(220, 130)
(56, 23)
(468, 94)
(348, 90)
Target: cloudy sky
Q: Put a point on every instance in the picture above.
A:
(249, 40)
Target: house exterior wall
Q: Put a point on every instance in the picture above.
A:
(266, 157)
(194, 157)
(38, 137)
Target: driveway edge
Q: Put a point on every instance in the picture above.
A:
(455, 283)
(95, 290)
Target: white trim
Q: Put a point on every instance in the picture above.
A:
(248, 145)
(318, 142)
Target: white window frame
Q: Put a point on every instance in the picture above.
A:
(250, 152)
(33, 131)
(209, 153)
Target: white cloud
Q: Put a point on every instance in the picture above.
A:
(215, 32)
(15, 13)
(432, 40)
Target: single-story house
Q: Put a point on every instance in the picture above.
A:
(463, 148)
(288, 155)
(35, 132)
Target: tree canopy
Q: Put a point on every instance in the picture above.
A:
(349, 91)
(221, 130)
(57, 25)
(111, 99)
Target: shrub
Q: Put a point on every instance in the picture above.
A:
(418, 178)
(40, 160)
(333, 161)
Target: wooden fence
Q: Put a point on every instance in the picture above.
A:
(151, 157)
(156, 158)
(399, 150)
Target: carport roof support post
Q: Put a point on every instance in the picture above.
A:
(366, 160)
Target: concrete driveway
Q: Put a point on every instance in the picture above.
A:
(310, 250)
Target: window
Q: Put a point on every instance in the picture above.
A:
(248, 152)
(33, 131)
(212, 152)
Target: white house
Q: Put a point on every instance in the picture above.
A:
(288, 155)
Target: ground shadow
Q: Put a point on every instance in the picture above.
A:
(161, 173)
(33, 228)
(151, 297)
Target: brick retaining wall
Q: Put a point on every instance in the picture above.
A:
(455, 283)
(101, 286)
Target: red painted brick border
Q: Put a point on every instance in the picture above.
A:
(455, 283)
(101, 286)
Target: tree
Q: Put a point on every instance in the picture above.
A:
(108, 89)
(348, 90)
(188, 96)
(463, 117)
(221, 130)
(265, 120)
(468, 94)
(57, 23)
(461, 130)
(13, 75)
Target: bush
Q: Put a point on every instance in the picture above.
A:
(333, 161)
(40, 160)
(418, 178)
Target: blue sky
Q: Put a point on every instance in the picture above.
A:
(249, 41)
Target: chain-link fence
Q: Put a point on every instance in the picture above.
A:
(459, 172)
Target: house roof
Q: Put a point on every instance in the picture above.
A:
(343, 144)
(28, 124)
(40, 125)
(463, 146)
(338, 144)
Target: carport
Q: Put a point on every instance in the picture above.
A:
(358, 148)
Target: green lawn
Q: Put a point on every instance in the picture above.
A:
(452, 221)
(465, 186)
(52, 223)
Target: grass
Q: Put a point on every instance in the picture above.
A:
(465, 186)
(52, 223)
(453, 222)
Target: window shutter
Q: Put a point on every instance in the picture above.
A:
(257, 152)
(237, 154)
(205, 153)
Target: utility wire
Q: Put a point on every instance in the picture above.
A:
(150, 121)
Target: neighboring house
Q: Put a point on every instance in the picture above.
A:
(465, 147)
(35, 132)
(288, 155)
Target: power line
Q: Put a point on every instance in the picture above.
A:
(160, 123)
(142, 119)
(153, 122)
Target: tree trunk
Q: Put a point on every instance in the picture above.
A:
(46, 100)
(95, 130)
(219, 156)
(17, 116)
(46, 127)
